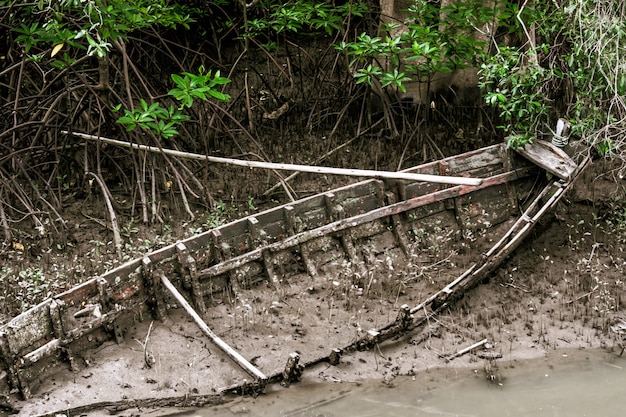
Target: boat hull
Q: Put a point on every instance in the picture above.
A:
(236, 307)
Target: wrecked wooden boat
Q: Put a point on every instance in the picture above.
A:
(243, 305)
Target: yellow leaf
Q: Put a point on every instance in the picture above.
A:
(56, 49)
(18, 246)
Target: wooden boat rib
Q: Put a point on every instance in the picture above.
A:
(357, 244)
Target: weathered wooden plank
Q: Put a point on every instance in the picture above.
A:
(312, 212)
(235, 237)
(257, 239)
(30, 329)
(57, 324)
(79, 293)
(481, 210)
(273, 225)
(466, 162)
(190, 270)
(74, 334)
(343, 224)
(155, 301)
(288, 167)
(420, 188)
(487, 157)
(358, 204)
(549, 157)
(290, 221)
(9, 361)
(398, 227)
(222, 253)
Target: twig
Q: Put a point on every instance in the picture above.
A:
(233, 354)
(147, 357)
(3, 220)
(530, 39)
(19, 193)
(248, 105)
(587, 294)
(508, 284)
(183, 196)
(93, 219)
(140, 169)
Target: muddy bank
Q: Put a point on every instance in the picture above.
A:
(559, 373)
(562, 380)
(542, 299)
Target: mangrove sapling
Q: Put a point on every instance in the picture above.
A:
(148, 357)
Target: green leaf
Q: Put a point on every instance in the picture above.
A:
(218, 95)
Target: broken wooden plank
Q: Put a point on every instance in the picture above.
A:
(8, 358)
(549, 157)
(398, 228)
(230, 352)
(155, 301)
(257, 234)
(290, 220)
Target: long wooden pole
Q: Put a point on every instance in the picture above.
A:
(290, 167)
(232, 353)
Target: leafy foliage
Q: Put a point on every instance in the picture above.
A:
(301, 16)
(159, 120)
(90, 25)
(162, 121)
(518, 91)
(190, 87)
(578, 61)
(434, 39)
(597, 71)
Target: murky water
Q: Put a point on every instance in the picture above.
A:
(572, 384)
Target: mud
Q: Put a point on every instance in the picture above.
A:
(560, 290)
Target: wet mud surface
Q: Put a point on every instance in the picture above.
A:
(560, 290)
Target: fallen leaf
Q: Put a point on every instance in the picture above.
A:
(56, 49)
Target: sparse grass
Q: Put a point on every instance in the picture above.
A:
(611, 217)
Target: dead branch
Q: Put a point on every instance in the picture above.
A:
(8, 236)
(117, 240)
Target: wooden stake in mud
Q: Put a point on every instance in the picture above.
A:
(233, 354)
(442, 179)
(463, 351)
